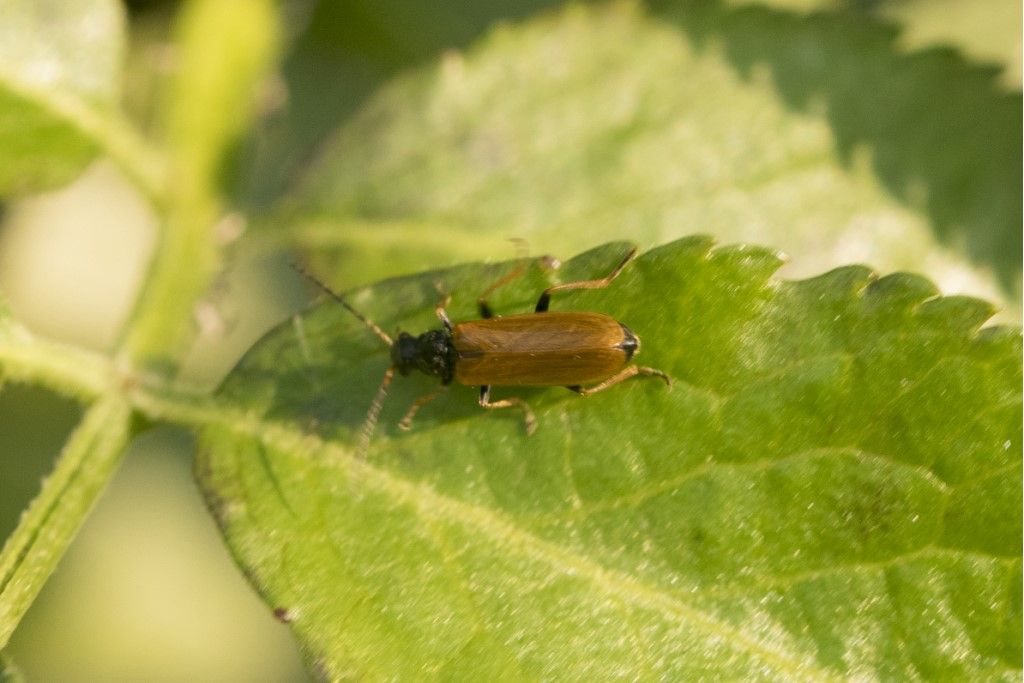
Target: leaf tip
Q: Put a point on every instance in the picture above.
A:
(965, 314)
(899, 290)
(762, 261)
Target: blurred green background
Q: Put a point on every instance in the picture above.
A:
(148, 591)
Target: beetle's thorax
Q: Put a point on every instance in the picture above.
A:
(431, 353)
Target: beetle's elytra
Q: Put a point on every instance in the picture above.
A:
(541, 349)
(584, 352)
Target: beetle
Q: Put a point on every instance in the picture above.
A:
(539, 349)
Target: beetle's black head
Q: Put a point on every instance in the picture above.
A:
(431, 353)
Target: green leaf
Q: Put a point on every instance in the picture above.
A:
(830, 490)
(818, 135)
(60, 67)
(47, 527)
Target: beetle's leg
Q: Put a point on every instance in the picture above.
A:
(626, 373)
(485, 402)
(485, 309)
(545, 297)
(441, 313)
(405, 424)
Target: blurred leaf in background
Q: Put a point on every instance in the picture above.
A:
(745, 123)
(340, 54)
(60, 66)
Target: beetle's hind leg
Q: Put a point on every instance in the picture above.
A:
(626, 373)
(528, 416)
(545, 298)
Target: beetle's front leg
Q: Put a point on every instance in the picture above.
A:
(405, 424)
(442, 314)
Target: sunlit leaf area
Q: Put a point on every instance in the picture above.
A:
(798, 222)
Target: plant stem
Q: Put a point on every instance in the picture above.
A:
(54, 517)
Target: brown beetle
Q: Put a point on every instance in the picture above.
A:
(538, 349)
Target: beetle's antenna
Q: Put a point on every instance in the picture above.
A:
(366, 321)
(374, 413)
